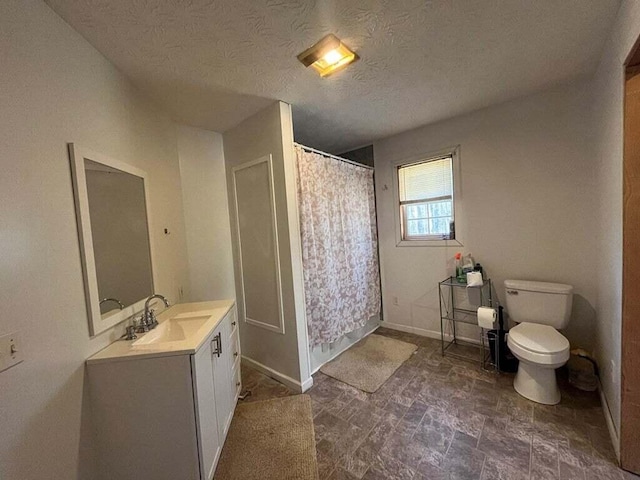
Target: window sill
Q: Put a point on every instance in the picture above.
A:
(429, 243)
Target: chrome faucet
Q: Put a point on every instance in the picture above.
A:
(148, 320)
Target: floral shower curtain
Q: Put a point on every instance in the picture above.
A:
(339, 245)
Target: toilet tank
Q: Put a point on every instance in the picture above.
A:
(539, 302)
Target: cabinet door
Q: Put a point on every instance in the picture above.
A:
(234, 361)
(234, 339)
(221, 380)
(236, 385)
(209, 440)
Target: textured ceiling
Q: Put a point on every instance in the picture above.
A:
(212, 63)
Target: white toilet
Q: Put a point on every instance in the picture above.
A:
(540, 309)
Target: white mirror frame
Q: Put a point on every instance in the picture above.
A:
(77, 155)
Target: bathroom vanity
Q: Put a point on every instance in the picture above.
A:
(162, 404)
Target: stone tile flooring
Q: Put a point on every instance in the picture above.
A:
(441, 418)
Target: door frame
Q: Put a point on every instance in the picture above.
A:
(630, 331)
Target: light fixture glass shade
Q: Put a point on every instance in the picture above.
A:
(328, 56)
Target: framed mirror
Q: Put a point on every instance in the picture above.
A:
(111, 210)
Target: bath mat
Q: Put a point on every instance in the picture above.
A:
(271, 439)
(370, 362)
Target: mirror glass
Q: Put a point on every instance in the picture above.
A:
(113, 229)
(120, 233)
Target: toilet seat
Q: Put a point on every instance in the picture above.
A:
(538, 344)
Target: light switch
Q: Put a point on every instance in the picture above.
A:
(10, 350)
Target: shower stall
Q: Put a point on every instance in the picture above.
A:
(338, 230)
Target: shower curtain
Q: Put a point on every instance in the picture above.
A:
(339, 245)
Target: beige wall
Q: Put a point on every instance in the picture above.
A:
(206, 212)
(608, 141)
(526, 209)
(270, 132)
(55, 88)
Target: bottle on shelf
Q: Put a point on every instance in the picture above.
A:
(460, 277)
(467, 264)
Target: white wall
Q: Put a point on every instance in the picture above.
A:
(55, 88)
(526, 209)
(285, 357)
(206, 212)
(608, 89)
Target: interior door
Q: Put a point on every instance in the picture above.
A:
(630, 392)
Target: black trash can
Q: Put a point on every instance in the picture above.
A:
(507, 362)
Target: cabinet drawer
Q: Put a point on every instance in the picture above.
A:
(234, 350)
(236, 380)
(233, 322)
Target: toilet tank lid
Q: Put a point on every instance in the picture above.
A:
(542, 287)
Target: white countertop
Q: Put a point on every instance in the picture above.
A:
(126, 350)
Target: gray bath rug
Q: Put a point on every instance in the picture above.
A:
(370, 362)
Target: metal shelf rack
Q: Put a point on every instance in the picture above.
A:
(458, 305)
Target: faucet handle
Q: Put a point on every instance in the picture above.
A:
(141, 324)
(131, 332)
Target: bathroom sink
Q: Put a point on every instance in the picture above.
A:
(176, 329)
(182, 329)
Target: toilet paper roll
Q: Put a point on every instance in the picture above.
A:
(486, 317)
(474, 279)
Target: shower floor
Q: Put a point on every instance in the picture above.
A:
(442, 418)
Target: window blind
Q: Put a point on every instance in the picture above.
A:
(425, 181)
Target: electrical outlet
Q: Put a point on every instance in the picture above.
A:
(10, 350)
(396, 302)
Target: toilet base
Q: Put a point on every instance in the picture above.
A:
(537, 384)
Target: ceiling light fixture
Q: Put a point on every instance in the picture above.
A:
(328, 56)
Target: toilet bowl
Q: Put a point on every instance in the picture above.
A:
(539, 309)
(541, 349)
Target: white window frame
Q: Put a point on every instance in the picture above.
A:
(454, 152)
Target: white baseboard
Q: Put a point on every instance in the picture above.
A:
(344, 349)
(289, 382)
(613, 433)
(425, 333)
(307, 384)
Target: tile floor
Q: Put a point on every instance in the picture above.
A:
(441, 418)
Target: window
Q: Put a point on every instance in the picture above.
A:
(425, 192)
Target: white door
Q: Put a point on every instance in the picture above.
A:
(209, 439)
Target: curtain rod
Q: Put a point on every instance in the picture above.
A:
(320, 152)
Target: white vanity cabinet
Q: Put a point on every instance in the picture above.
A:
(213, 377)
(164, 414)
